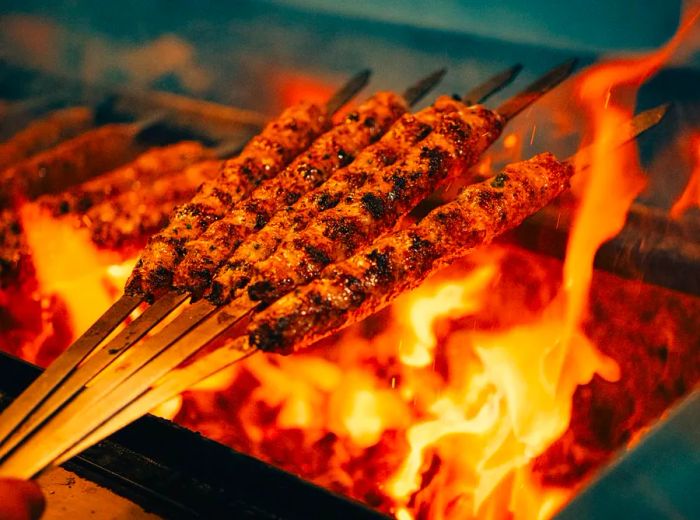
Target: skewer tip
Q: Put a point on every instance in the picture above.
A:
(512, 107)
(348, 90)
(658, 113)
(492, 85)
(415, 92)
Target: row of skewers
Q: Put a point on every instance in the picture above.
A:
(291, 240)
(46, 162)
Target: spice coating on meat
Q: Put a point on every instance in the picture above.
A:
(130, 218)
(262, 158)
(460, 136)
(333, 150)
(150, 165)
(351, 290)
(44, 133)
(71, 162)
(241, 267)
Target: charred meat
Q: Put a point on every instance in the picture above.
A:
(348, 291)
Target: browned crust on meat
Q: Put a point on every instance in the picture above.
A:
(351, 290)
(44, 133)
(461, 134)
(262, 158)
(71, 162)
(243, 265)
(146, 168)
(333, 150)
(128, 220)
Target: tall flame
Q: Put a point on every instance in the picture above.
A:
(530, 372)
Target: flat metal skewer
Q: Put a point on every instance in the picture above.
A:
(491, 86)
(516, 104)
(89, 368)
(90, 342)
(180, 379)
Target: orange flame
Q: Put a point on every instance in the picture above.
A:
(463, 297)
(68, 264)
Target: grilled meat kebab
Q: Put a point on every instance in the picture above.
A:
(146, 168)
(457, 140)
(262, 158)
(44, 133)
(69, 163)
(241, 267)
(348, 291)
(130, 218)
(333, 150)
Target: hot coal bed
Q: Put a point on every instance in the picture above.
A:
(644, 299)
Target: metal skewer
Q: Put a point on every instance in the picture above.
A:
(21, 411)
(492, 85)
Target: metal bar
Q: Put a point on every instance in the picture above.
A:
(144, 463)
(171, 385)
(416, 92)
(87, 409)
(631, 129)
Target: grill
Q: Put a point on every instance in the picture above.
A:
(654, 256)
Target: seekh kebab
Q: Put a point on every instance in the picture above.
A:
(350, 290)
(71, 162)
(130, 218)
(456, 141)
(332, 151)
(237, 271)
(153, 164)
(262, 158)
(44, 133)
(354, 194)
